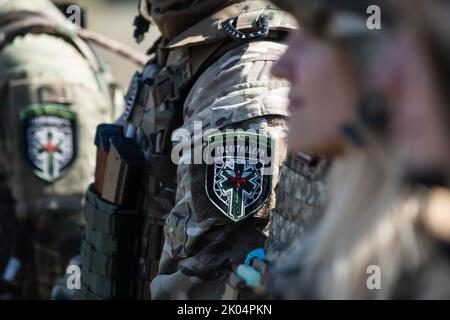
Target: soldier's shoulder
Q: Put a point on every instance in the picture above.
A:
(239, 86)
(43, 7)
(231, 68)
(248, 52)
(38, 46)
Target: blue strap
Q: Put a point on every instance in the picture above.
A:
(255, 254)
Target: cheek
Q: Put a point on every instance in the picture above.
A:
(314, 132)
(327, 101)
(315, 79)
(315, 127)
(327, 86)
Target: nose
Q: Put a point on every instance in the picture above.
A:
(283, 68)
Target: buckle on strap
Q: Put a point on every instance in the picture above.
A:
(262, 29)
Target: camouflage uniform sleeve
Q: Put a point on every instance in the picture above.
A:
(48, 113)
(201, 242)
(34, 73)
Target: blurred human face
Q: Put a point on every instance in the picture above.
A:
(323, 94)
(403, 73)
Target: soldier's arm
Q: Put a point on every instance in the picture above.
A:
(204, 235)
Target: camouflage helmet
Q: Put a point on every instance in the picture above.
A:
(174, 16)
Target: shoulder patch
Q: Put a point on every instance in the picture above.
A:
(50, 139)
(238, 178)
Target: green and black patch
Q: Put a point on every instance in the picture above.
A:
(50, 139)
(239, 173)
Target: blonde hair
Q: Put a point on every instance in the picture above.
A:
(369, 221)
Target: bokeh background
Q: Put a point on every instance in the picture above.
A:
(114, 18)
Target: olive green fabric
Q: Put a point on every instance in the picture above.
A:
(43, 66)
(105, 251)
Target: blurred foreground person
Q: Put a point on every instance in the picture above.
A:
(359, 224)
(373, 242)
(53, 94)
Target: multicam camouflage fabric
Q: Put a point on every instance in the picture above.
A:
(206, 76)
(301, 199)
(46, 74)
(235, 92)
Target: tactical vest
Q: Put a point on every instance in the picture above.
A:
(154, 110)
(301, 198)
